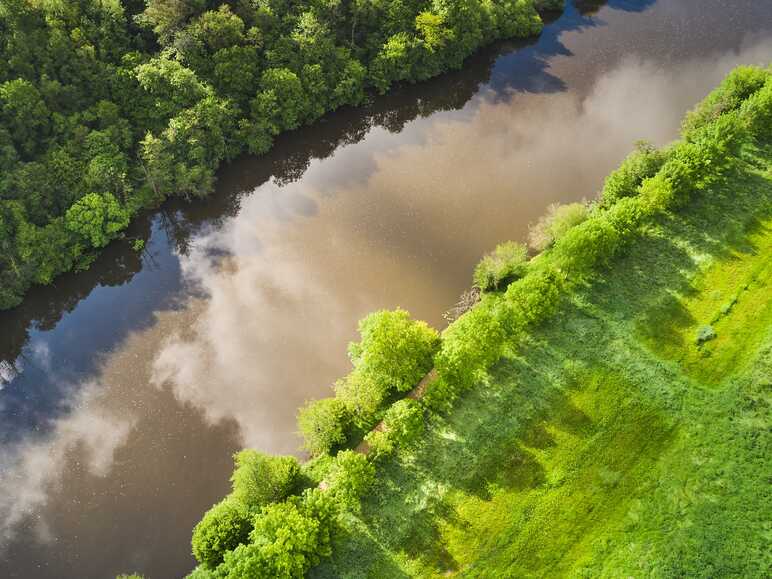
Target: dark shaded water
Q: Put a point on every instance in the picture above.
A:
(125, 389)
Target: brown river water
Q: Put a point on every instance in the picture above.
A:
(125, 390)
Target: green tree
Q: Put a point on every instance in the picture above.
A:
(287, 539)
(223, 528)
(324, 424)
(259, 479)
(506, 263)
(24, 115)
(395, 351)
(97, 218)
(351, 475)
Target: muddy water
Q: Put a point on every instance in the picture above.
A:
(124, 390)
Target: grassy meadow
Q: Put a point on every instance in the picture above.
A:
(628, 435)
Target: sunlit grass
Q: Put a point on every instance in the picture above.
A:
(729, 303)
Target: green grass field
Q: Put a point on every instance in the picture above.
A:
(611, 444)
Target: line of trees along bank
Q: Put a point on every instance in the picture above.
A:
(282, 517)
(108, 107)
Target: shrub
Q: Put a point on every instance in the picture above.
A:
(587, 245)
(641, 164)
(555, 224)
(705, 334)
(201, 572)
(531, 300)
(738, 85)
(504, 264)
(259, 479)
(403, 424)
(362, 396)
(471, 344)
(287, 539)
(225, 526)
(395, 352)
(350, 476)
(757, 112)
(324, 424)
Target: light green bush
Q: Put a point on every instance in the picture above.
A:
(403, 424)
(259, 479)
(287, 539)
(362, 396)
(506, 263)
(587, 246)
(324, 424)
(738, 85)
(225, 526)
(641, 164)
(471, 344)
(395, 352)
(757, 112)
(350, 476)
(555, 223)
(532, 299)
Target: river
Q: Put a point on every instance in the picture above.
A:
(125, 390)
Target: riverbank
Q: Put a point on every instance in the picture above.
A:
(651, 224)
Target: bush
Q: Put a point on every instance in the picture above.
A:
(259, 479)
(323, 424)
(350, 476)
(705, 334)
(641, 164)
(362, 396)
(395, 351)
(757, 112)
(738, 85)
(555, 224)
(471, 344)
(504, 264)
(201, 572)
(587, 245)
(287, 539)
(531, 300)
(403, 424)
(224, 527)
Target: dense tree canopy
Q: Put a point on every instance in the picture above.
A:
(109, 106)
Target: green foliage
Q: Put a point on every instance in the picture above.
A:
(469, 346)
(97, 218)
(225, 526)
(757, 112)
(555, 223)
(504, 264)
(393, 355)
(738, 85)
(641, 164)
(260, 479)
(287, 539)
(145, 100)
(24, 115)
(323, 424)
(395, 351)
(403, 424)
(350, 476)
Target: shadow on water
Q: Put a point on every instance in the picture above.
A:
(83, 314)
